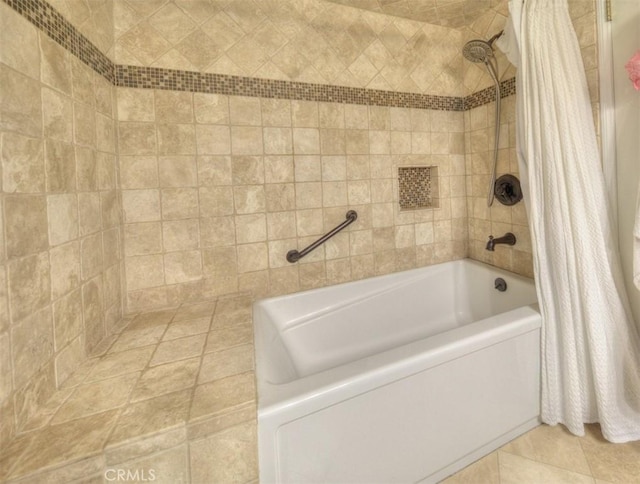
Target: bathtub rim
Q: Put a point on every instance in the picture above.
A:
(299, 397)
(397, 279)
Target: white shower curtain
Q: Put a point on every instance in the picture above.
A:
(590, 344)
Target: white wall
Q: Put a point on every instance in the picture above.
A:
(626, 40)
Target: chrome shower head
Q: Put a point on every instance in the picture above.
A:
(477, 51)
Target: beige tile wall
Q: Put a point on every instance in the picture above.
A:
(310, 41)
(479, 132)
(217, 189)
(60, 274)
(497, 219)
(493, 20)
(93, 18)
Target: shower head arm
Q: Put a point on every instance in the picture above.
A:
(495, 37)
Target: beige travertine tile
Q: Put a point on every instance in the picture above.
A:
(247, 170)
(96, 397)
(151, 319)
(178, 349)
(141, 205)
(213, 139)
(252, 257)
(67, 318)
(174, 107)
(211, 108)
(218, 395)
(139, 171)
(182, 266)
(11, 454)
(145, 446)
(276, 112)
(610, 462)
(177, 171)
(25, 224)
(550, 445)
(225, 363)
(20, 43)
(148, 416)
(170, 466)
(55, 65)
(231, 311)
(176, 139)
(20, 103)
(217, 231)
(485, 471)
(70, 472)
(62, 214)
(89, 213)
(60, 166)
(282, 196)
(178, 203)
(69, 359)
(65, 268)
(144, 271)
(245, 111)
(250, 228)
(249, 199)
(281, 225)
(144, 42)
(166, 378)
(137, 338)
(32, 344)
(515, 469)
(194, 311)
(136, 138)
(214, 170)
(22, 164)
(142, 238)
(234, 452)
(222, 339)
(135, 104)
(278, 141)
(180, 235)
(246, 140)
(66, 441)
(29, 285)
(188, 327)
(114, 364)
(84, 123)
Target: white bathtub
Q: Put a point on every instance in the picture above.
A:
(401, 378)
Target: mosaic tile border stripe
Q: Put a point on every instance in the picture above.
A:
(155, 78)
(507, 88)
(47, 19)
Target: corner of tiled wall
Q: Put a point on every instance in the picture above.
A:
(60, 292)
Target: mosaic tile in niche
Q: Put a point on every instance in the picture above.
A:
(417, 187)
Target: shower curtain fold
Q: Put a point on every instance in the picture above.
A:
(590, 344)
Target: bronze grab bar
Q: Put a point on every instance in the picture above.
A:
(295, 256)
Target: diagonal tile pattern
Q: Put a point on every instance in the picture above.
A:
(171, 380)
(449, 13)
(186, 405)
(551, 455)
(314, 41)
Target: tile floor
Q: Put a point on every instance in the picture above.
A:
(551, 455)
(174, 391)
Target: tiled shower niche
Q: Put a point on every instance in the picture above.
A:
(418, 187)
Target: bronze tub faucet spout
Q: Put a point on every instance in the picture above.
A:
(507, 238)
